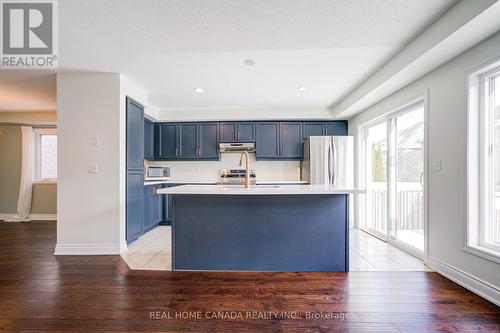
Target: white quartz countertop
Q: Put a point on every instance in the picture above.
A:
(279, 182)
(257, 190)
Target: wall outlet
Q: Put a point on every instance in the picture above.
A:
(437, 165)
(92, 168)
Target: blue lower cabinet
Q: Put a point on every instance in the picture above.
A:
(153, 207)
(135, 204)
(168, 208)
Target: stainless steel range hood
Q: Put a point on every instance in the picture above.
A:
(237, 147)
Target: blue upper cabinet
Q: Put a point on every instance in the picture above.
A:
(243, 131)
(149, 153)
(268, 141)
(208, 147)
(228, 131)
(166, 141)
(313, 128)
(135, 135)
(274, 139)
(246, 132)
(336, 127)
(279, 140)
(291, 140)
(188, 140)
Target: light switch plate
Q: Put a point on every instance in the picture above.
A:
(92, 168)
(437, 165)
(96, 141)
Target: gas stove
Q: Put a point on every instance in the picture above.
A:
(235, 177)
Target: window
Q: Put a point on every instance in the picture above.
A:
(483, 228)
(46, 154)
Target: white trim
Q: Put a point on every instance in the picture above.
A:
(43, 217)
(476, 101)
(468, 281)
(483, 252)
(86, 249)
(46, 182)
(34, 217)
(38, 132)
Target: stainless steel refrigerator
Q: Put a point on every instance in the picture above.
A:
(329, 160)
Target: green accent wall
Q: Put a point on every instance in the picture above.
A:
(44, 199)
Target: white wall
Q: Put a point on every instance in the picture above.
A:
(208, 171)
(88, 203)
(244, 114)
(447, 141)
(91, 206)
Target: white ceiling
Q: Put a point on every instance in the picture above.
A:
(22, 90)
(171, 47)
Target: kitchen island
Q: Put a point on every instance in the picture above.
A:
(292, 228)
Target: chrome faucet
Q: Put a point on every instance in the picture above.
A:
(247, 168)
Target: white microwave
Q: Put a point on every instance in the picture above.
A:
(157, 173)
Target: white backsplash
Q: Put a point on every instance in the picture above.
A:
(208, 171)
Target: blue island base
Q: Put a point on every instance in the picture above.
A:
(285, 233)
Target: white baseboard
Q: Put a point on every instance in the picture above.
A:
(86, 249)
(43, 217)
(470, 282)
(35, 217)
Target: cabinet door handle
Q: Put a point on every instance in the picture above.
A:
(176, 151)
(238, 136)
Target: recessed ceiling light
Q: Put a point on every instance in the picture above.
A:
(249, 62)
(198, 90)
(302, 88)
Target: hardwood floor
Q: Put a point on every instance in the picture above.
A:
(43, 293)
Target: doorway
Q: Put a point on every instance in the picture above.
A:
(393, 168)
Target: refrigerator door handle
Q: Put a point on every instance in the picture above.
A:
(331, 161)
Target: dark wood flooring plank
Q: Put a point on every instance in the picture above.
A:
(43, 293)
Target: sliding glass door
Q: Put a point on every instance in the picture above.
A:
(408, 226)
(393, 167)
(375, 175)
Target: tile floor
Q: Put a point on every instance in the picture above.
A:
(152, 251)
(368, 253)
